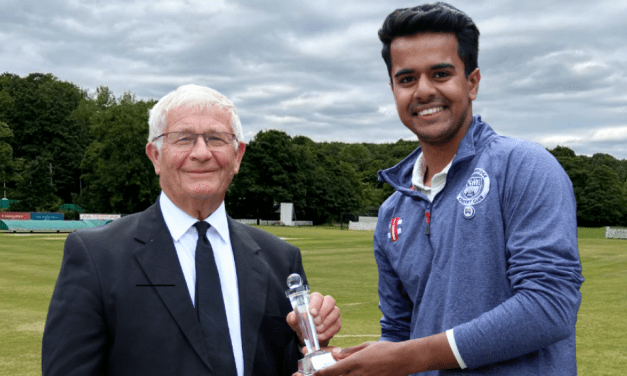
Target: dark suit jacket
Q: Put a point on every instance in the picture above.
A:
(121, 305)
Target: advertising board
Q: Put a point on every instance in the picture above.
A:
(15, 215)
(102, 217)
(46, 216)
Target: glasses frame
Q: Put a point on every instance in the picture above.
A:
(206, 137)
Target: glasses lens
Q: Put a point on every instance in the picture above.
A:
(217, 138)
(181, 138)
(187, 139)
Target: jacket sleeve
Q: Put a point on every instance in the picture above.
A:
(539, 213)
(75, 339)
(394, 301)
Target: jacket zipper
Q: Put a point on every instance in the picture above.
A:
(428, 217)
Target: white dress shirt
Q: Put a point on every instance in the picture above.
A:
(438, 181)
(185, 237)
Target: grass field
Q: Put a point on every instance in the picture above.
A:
(337, 262)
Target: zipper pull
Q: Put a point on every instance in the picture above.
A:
(428, 216)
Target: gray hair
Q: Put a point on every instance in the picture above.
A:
(193, 97)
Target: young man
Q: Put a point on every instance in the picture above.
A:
(479, 271)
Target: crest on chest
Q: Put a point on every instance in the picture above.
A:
(474, 192)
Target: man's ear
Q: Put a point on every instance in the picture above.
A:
(239, 154)
(153, 154)
(473, 84)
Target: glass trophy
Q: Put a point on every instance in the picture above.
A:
(315, 359)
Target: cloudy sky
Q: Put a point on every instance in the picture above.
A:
(553, 71)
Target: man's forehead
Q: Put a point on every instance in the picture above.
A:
(426, 38)
(215, 112)
(433, 49)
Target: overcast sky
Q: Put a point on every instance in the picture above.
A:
(553, 71)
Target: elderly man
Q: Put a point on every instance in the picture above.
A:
(180, 288)
(479, 272)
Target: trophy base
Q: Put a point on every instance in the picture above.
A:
(315, 362)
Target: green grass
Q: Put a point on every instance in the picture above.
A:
(339, 263)
(591, 232)
(602, 319)
(29, 265)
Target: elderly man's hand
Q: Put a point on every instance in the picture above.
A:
(326, 317)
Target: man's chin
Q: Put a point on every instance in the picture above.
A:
(202, 194)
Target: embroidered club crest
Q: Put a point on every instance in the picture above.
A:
(395, 230)
(476, 189)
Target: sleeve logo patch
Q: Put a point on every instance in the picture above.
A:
(395, 230)
(476, 189)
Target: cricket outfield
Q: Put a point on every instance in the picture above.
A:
(338, 263)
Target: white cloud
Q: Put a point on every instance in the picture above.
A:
(283, 119)
(611, 134)
(263, 91)
(316, 101)
(335, 43)
(553, 140)
(388, 111)
(554, 71)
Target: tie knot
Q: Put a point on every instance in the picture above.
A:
(202, 227)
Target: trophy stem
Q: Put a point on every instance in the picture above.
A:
(307, 326)
(299, 297)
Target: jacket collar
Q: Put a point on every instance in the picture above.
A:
(399, 176)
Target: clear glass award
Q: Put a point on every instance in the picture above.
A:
(315, 359)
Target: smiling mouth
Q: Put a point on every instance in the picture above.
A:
(199, 172)
(429, 111)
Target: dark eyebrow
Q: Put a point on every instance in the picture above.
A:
(433, 67)
(403, 71)
(443, 66)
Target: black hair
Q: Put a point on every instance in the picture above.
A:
(440, 18)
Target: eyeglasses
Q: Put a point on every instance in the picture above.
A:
(188, 140)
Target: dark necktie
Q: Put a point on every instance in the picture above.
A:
(210, 306)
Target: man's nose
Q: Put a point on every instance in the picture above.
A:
(200, 149)
(424, 89)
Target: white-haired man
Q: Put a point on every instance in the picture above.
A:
(144, 296)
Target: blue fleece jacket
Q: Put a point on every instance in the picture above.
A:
(494, 257)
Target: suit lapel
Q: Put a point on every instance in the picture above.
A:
(252, 281)
(159, 260)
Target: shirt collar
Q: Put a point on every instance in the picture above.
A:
(179, 222)
(418, 175)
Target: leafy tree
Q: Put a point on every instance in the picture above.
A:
(602, 202)
(39, 111)
(6, 151)
(335, 189)
(577, 172)
(623, 222)
(601, 159)
(277, 168)
(8, 167)
(36, 186)
(562, 152)
(119, 177)
(270, 173)
(7, 103)
(56, 139)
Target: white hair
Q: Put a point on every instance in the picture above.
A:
(193, 97)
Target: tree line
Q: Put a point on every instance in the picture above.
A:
(60, 144)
